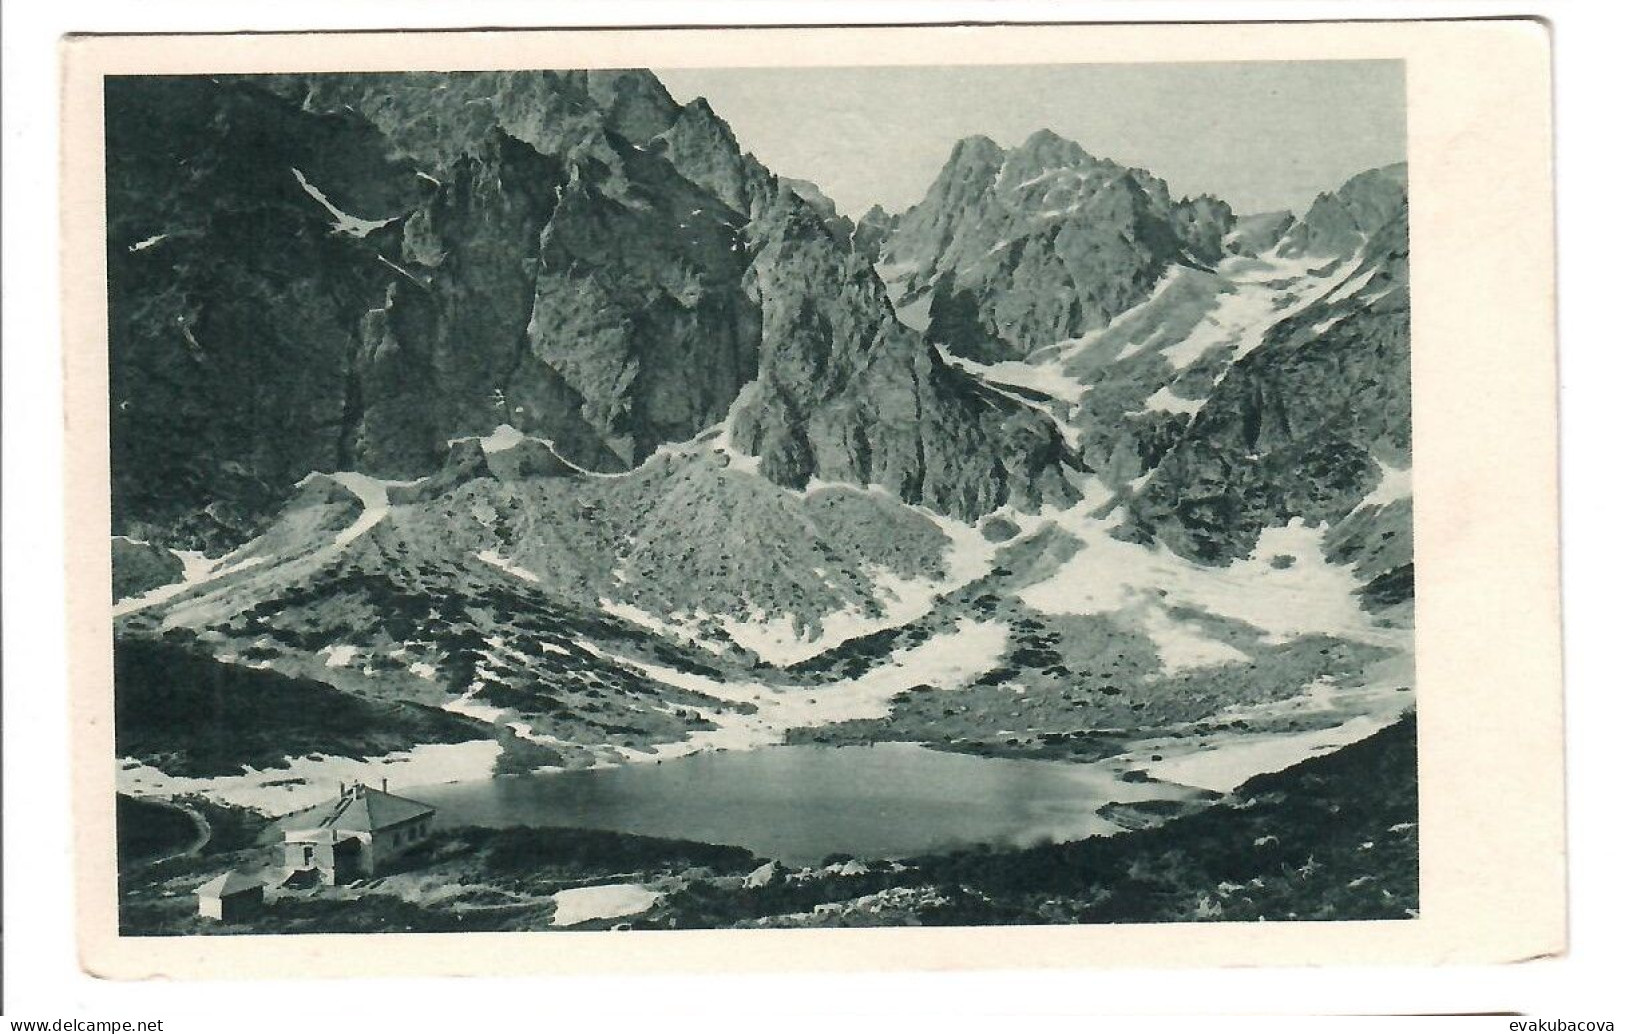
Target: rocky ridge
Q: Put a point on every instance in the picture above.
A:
(847, 393)
(1310, 424)
(401, 260)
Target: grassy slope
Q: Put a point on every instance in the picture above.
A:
(151, 829)
(189, 714)
(499, 880)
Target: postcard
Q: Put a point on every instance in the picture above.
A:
(777, 499)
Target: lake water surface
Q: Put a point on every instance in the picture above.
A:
(800, 803)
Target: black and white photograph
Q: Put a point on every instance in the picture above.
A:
(713, 515)
(810, 499)
(733, 498)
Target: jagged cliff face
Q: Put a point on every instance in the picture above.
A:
(847, 393)
(352, 270)
(236, 306)
(606, 284)
(1310, 424)
(871, 232)
(701, 146)
(347, 272)
(1265, 385)
(417, 271)
(1010, 252)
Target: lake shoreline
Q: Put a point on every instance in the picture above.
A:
(1249, 854)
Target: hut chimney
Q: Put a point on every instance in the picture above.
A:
(386, 786)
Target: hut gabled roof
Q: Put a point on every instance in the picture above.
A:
(359, 809)
(229, 882)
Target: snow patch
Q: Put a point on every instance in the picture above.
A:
(1216, 757)
(1048, 377)
(469, 706)
(1224, 768)
(374, 496)
(1165, 401)
(241, 565)
(683, 630)
(399, 270)
(1350, 286)
(779, 640)
(1394, 486)
(1244, 315)
(343, 222)
(606, 901)
(195, 570)
(946, 661)
(1183, 645)
(308, 781)
(916, 315)
(505, 437)
(738, 459)
(505, 565)
(1310, 596)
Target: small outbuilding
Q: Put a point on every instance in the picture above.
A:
(359, 834)
(231, 897)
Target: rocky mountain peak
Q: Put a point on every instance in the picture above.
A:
(1044, 151)
(814, 195)
(634, 101)
(975, 152)
(838, 225)
(1338, 223)
(701, 146)
(697, 120)
(871, 232)
(1374, 197)
(1012, 252)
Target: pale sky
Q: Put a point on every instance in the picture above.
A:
(1260, 135)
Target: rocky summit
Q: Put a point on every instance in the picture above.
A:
(1012, 251)
(517, 422)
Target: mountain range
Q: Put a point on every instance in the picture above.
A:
(532, 398)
